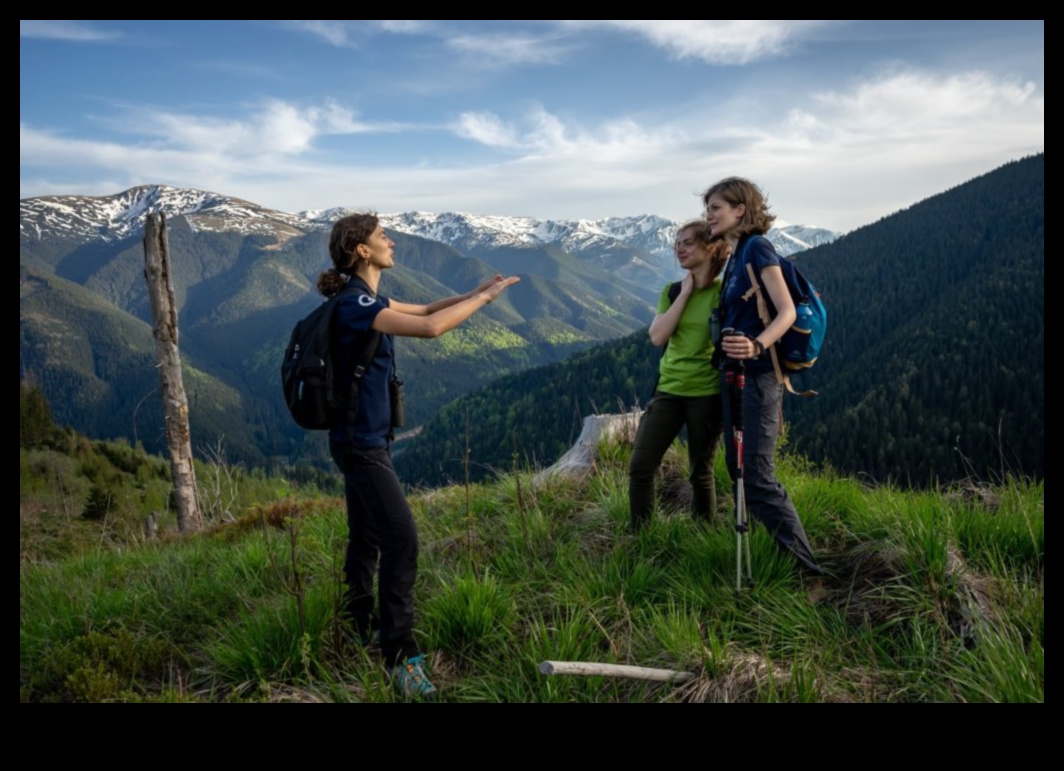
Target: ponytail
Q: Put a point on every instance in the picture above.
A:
(331, 282)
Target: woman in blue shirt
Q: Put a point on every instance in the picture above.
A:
(737, 211)
(382, 535)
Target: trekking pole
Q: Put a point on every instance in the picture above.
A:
(735, 379)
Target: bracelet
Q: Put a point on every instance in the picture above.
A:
(759, 347)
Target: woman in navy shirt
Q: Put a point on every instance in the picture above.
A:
(737, 211)
(382, 534)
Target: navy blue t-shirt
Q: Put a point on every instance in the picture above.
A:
(352, 323)
(740, 314)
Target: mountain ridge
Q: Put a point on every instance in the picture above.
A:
(118, 216)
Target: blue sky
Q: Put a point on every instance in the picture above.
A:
(841, 121)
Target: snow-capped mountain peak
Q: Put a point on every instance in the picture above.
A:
(646, 233)
(111, 218)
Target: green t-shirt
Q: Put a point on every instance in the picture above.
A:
(687, 368)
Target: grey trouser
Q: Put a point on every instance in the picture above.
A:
(766, 499)
(660, 425)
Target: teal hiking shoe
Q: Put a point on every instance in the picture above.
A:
(411, 681)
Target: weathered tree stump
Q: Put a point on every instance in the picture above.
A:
(583, 455)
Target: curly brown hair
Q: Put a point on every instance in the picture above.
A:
(717, 247)
(347, 233)
(757, 219)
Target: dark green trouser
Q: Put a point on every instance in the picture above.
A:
(661, 423)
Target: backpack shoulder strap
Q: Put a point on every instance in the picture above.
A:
(365, 357)
(674, 291)
(371, 344)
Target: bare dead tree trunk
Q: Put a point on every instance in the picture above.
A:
(175, 403)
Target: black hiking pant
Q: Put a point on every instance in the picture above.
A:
(658, 428)
(766, 499)
(382, 535)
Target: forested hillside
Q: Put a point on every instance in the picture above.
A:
(934, 367)
(536, 414)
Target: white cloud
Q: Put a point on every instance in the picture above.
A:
(715, 41)
(274, 128)
(547, 136)
(332, 31)
(887, 143)
(63, 29)
(348, 33)
(489, 50)
(192, 150)
(508, 49)
(842, 160)
(487, 129)
(915, 104)
(839, 160)
(404, 26)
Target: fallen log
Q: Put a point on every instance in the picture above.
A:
(576, 669)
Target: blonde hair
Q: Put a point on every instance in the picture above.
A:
(717, 247)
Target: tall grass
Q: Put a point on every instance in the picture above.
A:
(933, 597)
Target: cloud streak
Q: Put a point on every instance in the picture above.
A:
(349, 33)
(64, 29)
(508, 50)
(490, 50)
(197, 151)
(277, 128)
(712, 41)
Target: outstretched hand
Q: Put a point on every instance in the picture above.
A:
(497, 286)
(486, 285)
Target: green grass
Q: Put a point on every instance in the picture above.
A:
(933, 597)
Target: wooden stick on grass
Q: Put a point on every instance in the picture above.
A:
(615, 670)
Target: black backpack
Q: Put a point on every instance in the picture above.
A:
(308, 372)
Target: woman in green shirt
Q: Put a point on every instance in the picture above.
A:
(688, 391)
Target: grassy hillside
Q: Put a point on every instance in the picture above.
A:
(934, 597)
(76, 494)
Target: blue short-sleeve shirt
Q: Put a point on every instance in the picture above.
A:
(741, 314)
(352, 324)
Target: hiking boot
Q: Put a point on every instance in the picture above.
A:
(372, 640)
(411, 681)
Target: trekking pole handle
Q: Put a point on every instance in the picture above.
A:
(735, 380)
(735, 372)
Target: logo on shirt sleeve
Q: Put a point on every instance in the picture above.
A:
(366, 301)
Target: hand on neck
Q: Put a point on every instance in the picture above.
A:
(701, 276)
